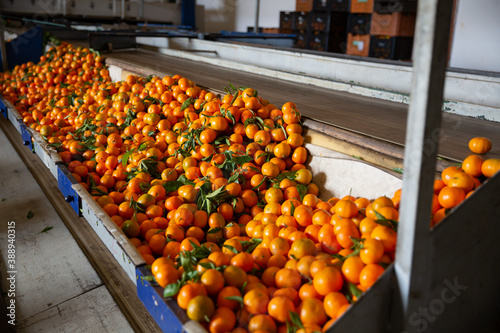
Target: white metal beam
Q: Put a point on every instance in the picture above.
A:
(424, 119)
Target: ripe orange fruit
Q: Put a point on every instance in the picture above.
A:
(480, 145)
(387, 236)
(301, 248)
(229, 291)
(327, 280)
(235, 276)
(222, 321)
(472, 165)
(262, 323)
(188, 292)
(200, 308)
(213, 280)
(166, 274)
(490, 167)
(131, 228)
(450, 197)
(333, 302)
(372, 251)
(351, 268)
(255, 301)
(286, 277)
(369, 275)
(311, 311)
(279, 308)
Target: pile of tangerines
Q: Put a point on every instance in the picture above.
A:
(458, 182)
(214, 193)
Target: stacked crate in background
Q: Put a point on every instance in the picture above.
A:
(375, 28)
(392, 29)
(317, 26)
(358, 37)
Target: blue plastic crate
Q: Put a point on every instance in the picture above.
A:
(3, 109)
(26, 136)
(65, 182)
(26, 47)
(167, 314)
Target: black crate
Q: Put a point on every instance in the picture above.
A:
(340, 5)
(318, 41)
(319, 21)
(302, 20)
(337, 42)
(287, 20)
(385, 7)
(321, 5)
(301, 40)
(359, 24)
(339, 22)
(395, 48)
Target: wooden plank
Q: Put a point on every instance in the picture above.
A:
(372, 117)
(116, 280)
(93, 311)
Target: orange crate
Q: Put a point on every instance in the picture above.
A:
(394, 24)
(304, 5)
(358, 45)
(361, 6)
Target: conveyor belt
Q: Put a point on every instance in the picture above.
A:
(370, 116)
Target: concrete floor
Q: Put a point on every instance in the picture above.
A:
(56, 288)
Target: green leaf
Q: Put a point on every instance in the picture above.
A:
(214, 230)
(293, 208)
(358, 157)
(398, 170)
(355, 291)
(238, 299)
(253, 243)
(385, 222)
(46, 229)
(260, 184)
(149, 278)
(358, 242)
(172, 289)
(302, 189)
(207, 265)
(230, 248)
(295, 319)
(172, 186)
(233, 178)
(187, 103)
(286, 175)
(384, 264)
(30, 214)
(240, 160)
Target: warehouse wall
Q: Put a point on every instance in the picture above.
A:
(476, 43)
(237, 15)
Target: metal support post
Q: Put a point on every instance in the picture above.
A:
(422, 140)
(3, 51)
(141, 9)
(257, 12)
(188, 13)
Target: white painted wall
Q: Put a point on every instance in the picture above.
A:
(237, 15)
(476, 40)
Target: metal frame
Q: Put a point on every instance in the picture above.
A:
(414, 266)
